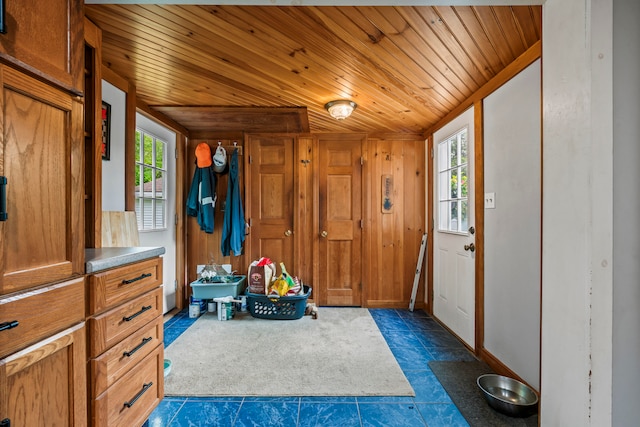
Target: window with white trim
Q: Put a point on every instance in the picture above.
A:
(453, 169)
(150, 186)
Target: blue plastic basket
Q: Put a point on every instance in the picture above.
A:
(279, 308)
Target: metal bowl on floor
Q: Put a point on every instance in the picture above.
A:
(507, 395)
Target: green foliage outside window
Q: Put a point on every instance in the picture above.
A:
(147, 158)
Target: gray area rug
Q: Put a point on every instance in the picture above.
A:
(342, 353)
(459, 380)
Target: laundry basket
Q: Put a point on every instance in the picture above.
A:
(279, 308)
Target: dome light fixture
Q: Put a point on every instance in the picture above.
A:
(340, 109)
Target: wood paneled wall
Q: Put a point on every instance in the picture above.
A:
(203, 248)
(393, 237)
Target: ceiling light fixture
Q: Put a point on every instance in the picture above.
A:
(340, 109)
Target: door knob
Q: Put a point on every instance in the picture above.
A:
(324, 234)
(470, 247)
(287, 233)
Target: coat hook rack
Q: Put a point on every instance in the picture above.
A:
(230, 148)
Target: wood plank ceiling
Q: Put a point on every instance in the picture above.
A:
(406, 67)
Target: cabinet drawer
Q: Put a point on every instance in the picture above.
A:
(114, 286)
(111, 327)
(40, 313)
(130, 400)
(122, 357)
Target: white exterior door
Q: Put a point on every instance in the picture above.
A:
(159, 228)
(454, 238)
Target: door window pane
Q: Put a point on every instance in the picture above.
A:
(150, 186)
(453, 187)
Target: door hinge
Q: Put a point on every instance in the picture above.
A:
(361, 160)
(175, 285)
(176, 153)
(176, 219)
(432, 152)
(362, 224)
(250, 159)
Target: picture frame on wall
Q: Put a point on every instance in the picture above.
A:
(106, 131)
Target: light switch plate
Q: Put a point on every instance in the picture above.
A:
(489, 200)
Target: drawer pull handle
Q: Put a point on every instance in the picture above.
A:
(138, 347)
(145, 387)
(135, 279)
(8, 325)
(134, 315)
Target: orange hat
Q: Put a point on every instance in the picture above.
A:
(203, 155)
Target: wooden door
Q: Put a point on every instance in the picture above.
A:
(340, 220)
(45, 384)
(270, 199)
(41, 240)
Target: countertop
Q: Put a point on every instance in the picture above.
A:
(99, 259)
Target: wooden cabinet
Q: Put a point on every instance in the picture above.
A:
(41, 158)
(44, 37)
(43, 365)
(45, 384)
(126, 353)
(43, 349)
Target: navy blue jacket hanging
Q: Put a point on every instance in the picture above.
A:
(202, 198)
(234, 225)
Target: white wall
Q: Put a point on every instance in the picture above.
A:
(113, 185)
(626, 205)
(577, 283)
(512, 170)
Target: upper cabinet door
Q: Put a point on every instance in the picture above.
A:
(45, 38)
(41, 240)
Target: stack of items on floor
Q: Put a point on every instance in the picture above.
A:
(267, 296)
(218, 290)
(282, 298)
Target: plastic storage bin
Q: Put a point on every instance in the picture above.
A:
(280, 308)
(210, 290)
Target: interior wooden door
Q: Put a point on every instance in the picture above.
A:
(340, 216)
(270, 199)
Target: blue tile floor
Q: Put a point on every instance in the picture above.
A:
(413, 337)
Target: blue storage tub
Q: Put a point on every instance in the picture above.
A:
(233, 286)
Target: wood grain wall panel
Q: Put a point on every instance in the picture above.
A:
(304, 232)
(395, 236)
(203, 248)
